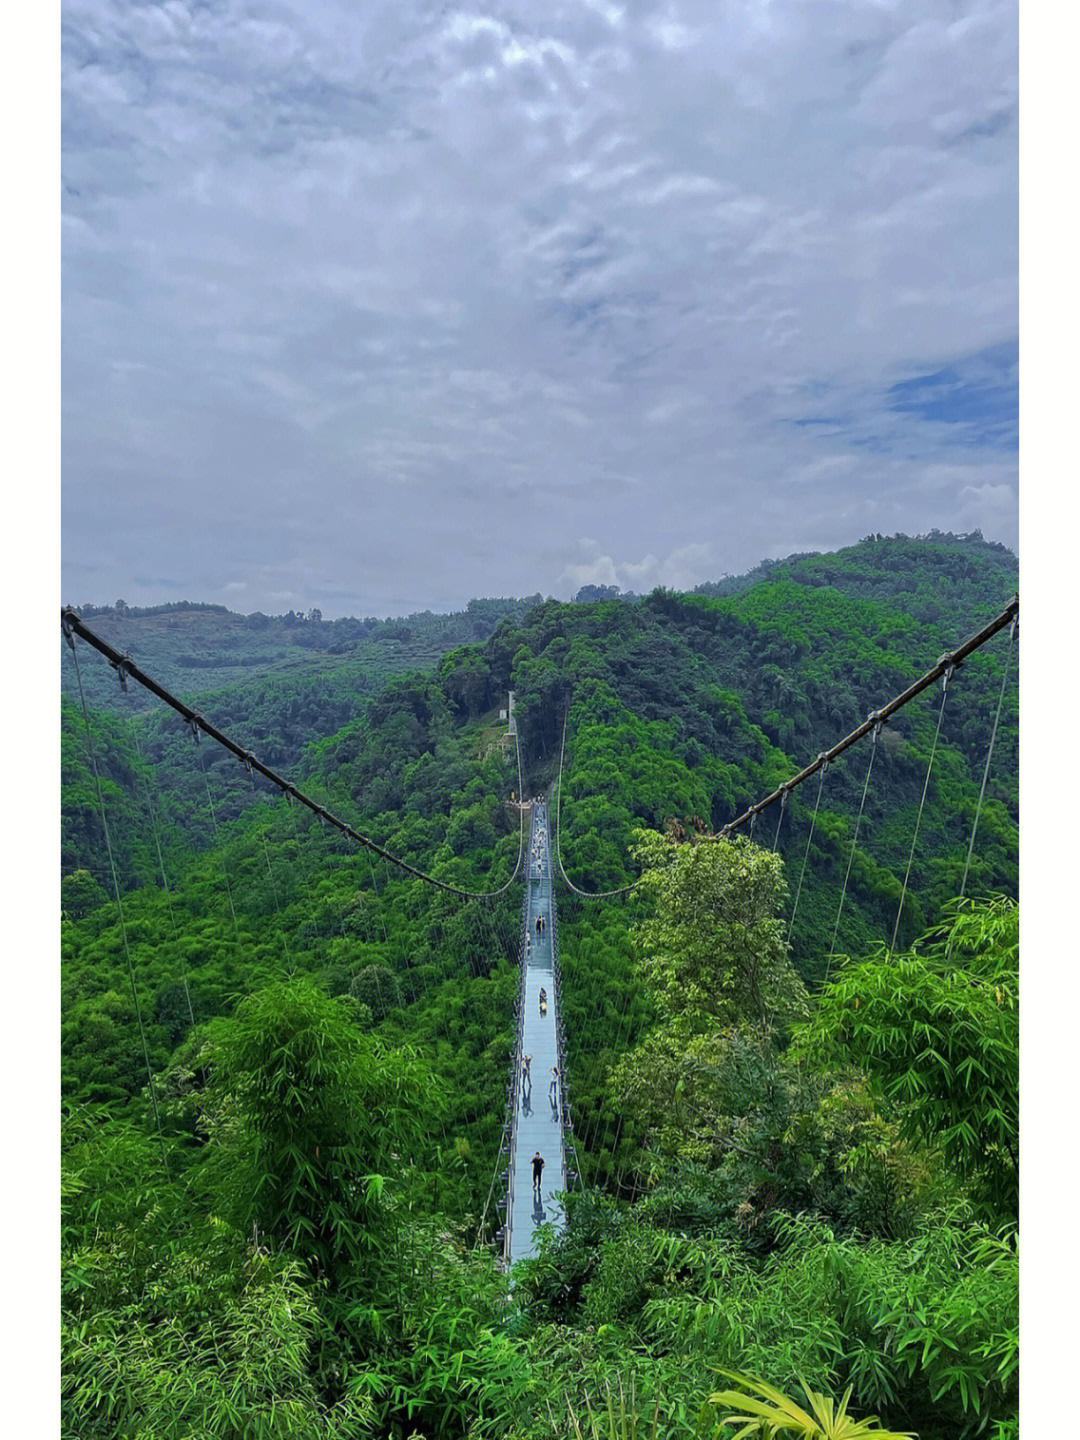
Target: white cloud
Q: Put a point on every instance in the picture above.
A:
(542, 271)
(682, 569)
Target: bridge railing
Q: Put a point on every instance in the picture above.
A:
(569, 1149)
(514, 1088)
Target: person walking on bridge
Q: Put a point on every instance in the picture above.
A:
(538, 1170)
(554, 1085)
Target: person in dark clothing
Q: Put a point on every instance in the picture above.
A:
(538, 1170)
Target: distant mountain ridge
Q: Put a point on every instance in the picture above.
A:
(823, 567)
(196, 645)
(192, 647)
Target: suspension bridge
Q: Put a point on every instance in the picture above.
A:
(539, 1114)
(539, 1126)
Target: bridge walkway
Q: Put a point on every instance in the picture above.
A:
(537, 1107)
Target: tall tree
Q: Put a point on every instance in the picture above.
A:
(714, 949)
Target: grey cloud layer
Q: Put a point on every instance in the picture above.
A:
(380, 308)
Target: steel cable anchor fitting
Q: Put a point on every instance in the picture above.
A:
(951, 666)
(122, 667)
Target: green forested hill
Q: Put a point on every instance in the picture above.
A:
(678, 708)
(937, 577)
(285, 678)
(275, 683)
(738, 1152)
(205, 647)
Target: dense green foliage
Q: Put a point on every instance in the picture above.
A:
(792, 1228)
(799, 1166)
(938, 1031)
(275, 1281)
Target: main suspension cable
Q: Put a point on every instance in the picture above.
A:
(72, 623)
(948, 661)
(585, 894)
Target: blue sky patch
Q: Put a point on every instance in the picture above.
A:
(979, 393)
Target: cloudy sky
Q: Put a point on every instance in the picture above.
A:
(379, 307)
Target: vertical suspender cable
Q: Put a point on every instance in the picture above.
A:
(806, 852)
(121, 675)
(989, 754)
(854, 843)
(217, 842)
(274, 892)
(164, 881)
(119, 904)
(780, 821)
(922, 801)
(269, 869)
(296, 841)
(557, 865)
